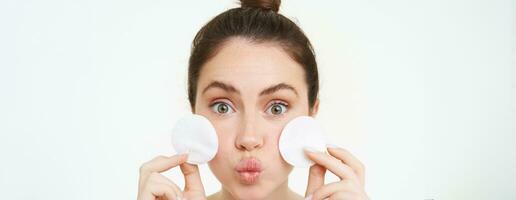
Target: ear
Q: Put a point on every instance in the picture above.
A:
(315, 108)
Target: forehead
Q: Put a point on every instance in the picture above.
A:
(252, 66)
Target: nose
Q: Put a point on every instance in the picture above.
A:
(248, 138)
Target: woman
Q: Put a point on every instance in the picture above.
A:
(251, 71)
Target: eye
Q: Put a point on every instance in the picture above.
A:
(277, 108)
(221, 108)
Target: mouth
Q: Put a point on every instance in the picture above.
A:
(249, 170)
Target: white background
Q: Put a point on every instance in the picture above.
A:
(423, 92)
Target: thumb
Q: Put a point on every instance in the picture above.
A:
(315, 179)
(192, 178)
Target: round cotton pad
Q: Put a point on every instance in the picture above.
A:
(302, 132)
(196, 135)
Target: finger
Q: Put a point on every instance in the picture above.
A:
(163, 163)
(159, 178)
(153, 190)
(350, 160)
(163, 190)
(315, 179)
(344, 196)
(192, 177)
(160, 164)
(336, 166)
(328, 190)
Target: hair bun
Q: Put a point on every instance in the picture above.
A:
(263, 4)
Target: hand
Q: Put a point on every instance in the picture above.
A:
(340, 162)
(153, 185)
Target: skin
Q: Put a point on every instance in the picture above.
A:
(249, 92)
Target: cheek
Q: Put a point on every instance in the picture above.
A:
(273, 130)
(271, 138)
(274, 135)
(226, 151)
(225, 134)
(226, 138)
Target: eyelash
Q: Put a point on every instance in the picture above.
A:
(278, 102)
(214, 104)
(275, 102)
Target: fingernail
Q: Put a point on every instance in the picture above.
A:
(312, 150)
(309, 197)
(333, 146)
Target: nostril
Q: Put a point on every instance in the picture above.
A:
(249, 146)
(248, 143)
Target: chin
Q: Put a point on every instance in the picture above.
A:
(250, 192)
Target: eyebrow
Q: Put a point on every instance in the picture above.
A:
(224, 86)
(277, 87)
(229, 88)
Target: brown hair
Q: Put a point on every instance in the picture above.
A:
(259, 22)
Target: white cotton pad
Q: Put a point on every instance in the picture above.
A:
(298, 134)
(196, 135)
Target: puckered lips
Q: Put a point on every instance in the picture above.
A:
(249, 170)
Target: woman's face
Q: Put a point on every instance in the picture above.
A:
(249, 92)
